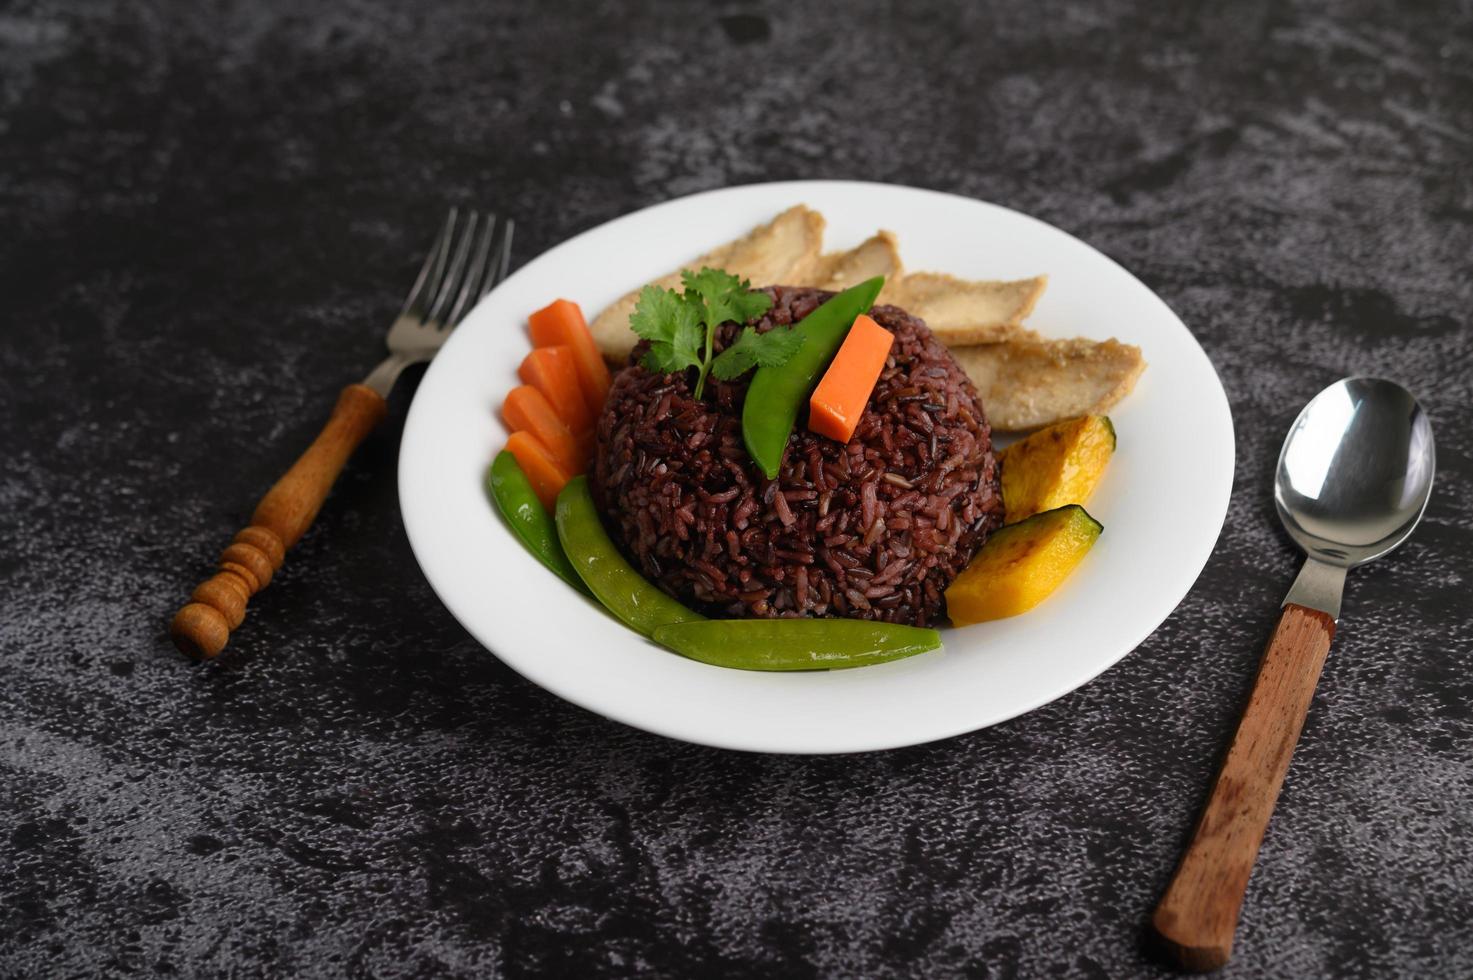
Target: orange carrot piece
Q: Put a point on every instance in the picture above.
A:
(839, 399)
(526, 410)
(543, 472)
(552, 371)
(562, 323)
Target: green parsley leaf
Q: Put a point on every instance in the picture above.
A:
(726, 296)
(770, 349)
(672, 324)
(681, 327)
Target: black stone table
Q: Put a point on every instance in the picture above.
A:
(209, 211)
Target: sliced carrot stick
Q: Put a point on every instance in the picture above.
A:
(552, 371)
(543, 472)
(839, 399)
(526, 410)
(562, 322)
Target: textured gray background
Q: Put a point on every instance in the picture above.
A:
(209, 210)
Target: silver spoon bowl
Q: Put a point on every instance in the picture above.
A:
(1356, 471)
(1353, 479)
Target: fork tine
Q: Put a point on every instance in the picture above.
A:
(482, 267)
(453, 277)
(429, 273)
(503, 262)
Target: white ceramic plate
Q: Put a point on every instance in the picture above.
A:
(1162, 501)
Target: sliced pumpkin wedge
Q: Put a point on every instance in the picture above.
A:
(1059, 465)
(1021, 565)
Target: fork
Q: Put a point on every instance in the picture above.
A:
(468, 259)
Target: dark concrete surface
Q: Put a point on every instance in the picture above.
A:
(210, 210)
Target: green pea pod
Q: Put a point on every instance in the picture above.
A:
(795, 644)
(777, 394)
(614, 582)
(526, 516)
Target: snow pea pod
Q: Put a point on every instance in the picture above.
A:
(614, 582)
(776, 394)
(795, 644)
(526, 516)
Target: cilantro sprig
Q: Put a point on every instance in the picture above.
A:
(681, 327)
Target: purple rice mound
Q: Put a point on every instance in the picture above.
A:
(875, 529)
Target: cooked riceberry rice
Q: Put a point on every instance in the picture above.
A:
(875, 529)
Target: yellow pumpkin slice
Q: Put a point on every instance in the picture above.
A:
(1055, 466)
(1021, 565)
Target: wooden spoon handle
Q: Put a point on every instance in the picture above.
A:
(1199, 912)
(217, 606)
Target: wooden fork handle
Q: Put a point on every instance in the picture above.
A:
(202, 628)
(1199, 912)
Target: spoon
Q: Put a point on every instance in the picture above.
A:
(1352, 481)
